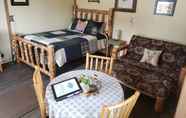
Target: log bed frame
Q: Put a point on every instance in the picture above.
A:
(29, 52)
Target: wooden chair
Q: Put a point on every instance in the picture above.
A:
(121, 110)
(99, 63)
(39, 90)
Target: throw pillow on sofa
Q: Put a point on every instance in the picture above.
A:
(151, 56)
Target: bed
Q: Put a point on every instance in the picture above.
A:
(51, 50)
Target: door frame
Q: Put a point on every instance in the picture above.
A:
(7, 12)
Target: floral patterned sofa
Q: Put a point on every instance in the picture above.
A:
(155, 81)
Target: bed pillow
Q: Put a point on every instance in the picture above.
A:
(74, 23)
(94, 27)
(81, 25)
(151, 57)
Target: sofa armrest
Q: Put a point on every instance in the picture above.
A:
(116, 51)
(182, 75)
(181, 79)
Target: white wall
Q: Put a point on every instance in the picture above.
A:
(4, 35)
(42, 15)
(145, 22)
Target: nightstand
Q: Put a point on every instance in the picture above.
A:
(114, 44)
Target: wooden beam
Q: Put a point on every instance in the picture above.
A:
(75, 3)
(7, 12)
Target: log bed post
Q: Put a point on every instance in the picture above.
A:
(110, 22)
(15, 47)
(114, 53)
(51, 62)
(75, 7)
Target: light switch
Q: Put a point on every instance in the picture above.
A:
(11, 18)
(132, 20)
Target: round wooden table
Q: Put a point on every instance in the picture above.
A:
(80, 106)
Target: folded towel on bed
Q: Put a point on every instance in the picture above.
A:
(72, 36)
(43, 40)
(60, 57)
(58, 32)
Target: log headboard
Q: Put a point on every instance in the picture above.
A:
(96, 15)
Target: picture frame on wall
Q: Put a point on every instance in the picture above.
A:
(98, 1)
(20, 2)
(125, 5)
(165, 7)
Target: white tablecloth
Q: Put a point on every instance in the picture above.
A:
(80, 106)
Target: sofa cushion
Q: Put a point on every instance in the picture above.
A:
(154, 81)
(151, 56)
(173, 55)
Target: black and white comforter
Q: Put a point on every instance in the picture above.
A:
(69, 45)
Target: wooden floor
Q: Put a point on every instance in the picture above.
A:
(143, 109)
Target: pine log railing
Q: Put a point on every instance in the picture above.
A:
(34, 54)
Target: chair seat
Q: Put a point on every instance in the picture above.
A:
(155, 81)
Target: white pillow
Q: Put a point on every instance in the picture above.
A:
(151, 56)
(81, 25)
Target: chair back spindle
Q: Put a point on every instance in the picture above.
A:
(122, 110)
(99, 63)
(35, 54)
